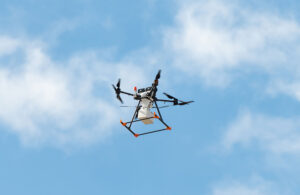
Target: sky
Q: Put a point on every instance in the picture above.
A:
(59, 118)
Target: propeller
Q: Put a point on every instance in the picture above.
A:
(158, 75)
(184, 103)
(171, 97)
(118, 91)
(176, 100)
(155, 83)
(119, 83)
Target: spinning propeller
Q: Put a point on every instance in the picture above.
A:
(156, 78)
(181, 103)
(118, 91)
(158, 75)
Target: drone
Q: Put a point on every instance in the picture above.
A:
(147, 101)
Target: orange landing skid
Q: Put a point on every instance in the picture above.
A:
(148, 132)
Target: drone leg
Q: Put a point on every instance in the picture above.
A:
(135, 113)
(153, 131)
(163, 122)
(132, 120)
(155, 116)
(160, 117)
(129, 129)
(157, 109)
(139, 120)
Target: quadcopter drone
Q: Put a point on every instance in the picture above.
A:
(146, 97)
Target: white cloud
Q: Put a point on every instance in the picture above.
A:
(220, 41)
(256, 186)
(289, 86)
(8, 45)
(58, 103)
(273, 134)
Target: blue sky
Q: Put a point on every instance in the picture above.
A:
(59, 119)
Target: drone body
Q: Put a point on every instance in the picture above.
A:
(144, 113)
(147, 101)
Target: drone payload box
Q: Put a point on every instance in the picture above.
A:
(145, 115)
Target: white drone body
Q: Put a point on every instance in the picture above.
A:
(145, 114)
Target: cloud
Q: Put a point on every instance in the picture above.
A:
(275, 135)
(221, 41)
(65, 103)
(289, 86)
(8, 45)
(256, 186)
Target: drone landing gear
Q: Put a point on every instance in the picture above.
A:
(155, 116)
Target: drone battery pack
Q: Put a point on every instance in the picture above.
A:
(145, 116)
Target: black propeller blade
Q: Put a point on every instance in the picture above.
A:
(184, 103)
(155, 83)
(118, 84)
(119, 98)
(176, 100)
(158, 75)
(169, 96)
(118, 91)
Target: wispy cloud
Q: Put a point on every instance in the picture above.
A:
(220, 41)
(255, 186)
(8, 45)
(59, 103)
(274, 135)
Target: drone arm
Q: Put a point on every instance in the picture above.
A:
(176, 102)
(126, 93)
(161, 100)
(135, 113)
